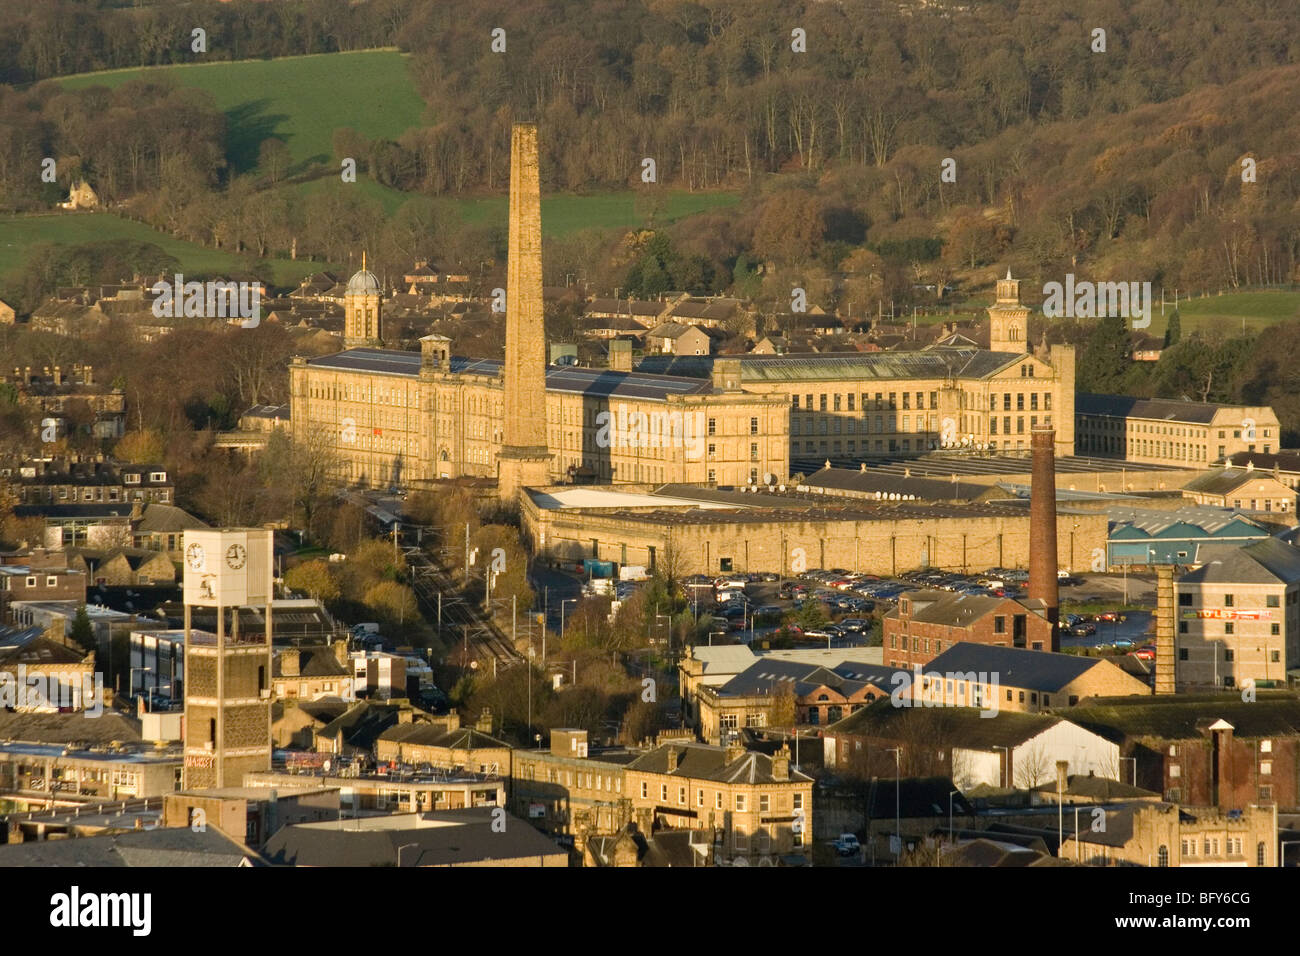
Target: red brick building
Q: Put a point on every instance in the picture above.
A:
(927, 623)
(1205, 750)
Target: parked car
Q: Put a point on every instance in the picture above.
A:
(1083, 629)
(855, 624)
(1147, 652)
(846, 844)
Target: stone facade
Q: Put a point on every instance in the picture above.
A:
(884, 539)
(1169, 432)
(394, 418)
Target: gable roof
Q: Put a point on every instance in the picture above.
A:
(1189, 716)
(1223, 481)
(955, 726)
(1270, 561)
(160, 847)
(705, 762)
(1015, 667)
(1164, 409)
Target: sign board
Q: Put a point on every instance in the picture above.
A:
(1227, 614)
(198, 760)
(536, 811)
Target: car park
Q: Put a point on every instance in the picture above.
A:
(846, 844)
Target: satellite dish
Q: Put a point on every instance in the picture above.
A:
(769, 479)
(781, 488)
(326, 766)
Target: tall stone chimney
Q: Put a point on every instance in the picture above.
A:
(525, 457)
(1042, 527)
(1166, 611)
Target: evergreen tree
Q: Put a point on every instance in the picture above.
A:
(82, 633)
(1174, 330)
(1105, 357)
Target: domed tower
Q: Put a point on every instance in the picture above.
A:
(361, 310)
(1008, 319)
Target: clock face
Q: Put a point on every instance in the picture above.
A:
(194, 556)
(235, 557)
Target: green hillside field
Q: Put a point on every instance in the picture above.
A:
(19, 234)
(300, 99)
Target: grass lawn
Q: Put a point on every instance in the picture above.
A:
(19, 233)
(300, 99)
(563, 214)
(1224, 313)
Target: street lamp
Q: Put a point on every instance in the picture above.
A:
(130, 681)
(563, 602)
(950, 795)
(403, 847)
(898, 811)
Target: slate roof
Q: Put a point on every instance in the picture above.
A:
(569, 379)
(939, 363)
(1224, 481)
(1015, 667)
(312, 662)
(160, 519)
(705, 762)
(951, 609)
(72, 728)
(874, 481)
(162, 847)
(464, 837)
(1282, 461)
(771, 676)
(38, 651)
(1187, 716)
(423, 734)
(1163, 409)
(1269, 561)
(956, 726)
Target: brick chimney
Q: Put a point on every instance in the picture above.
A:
(735, 750)
(672, 760)
(1166, 612)
(484, 723)
(1042, 527)
(289, 663)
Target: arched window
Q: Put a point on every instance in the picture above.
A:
(1162, 856)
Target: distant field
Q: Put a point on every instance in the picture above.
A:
(1224, 313)
(300, 99)
(561, 214)
(19, 233)
(566, 214)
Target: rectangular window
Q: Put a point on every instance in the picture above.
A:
(713, 426)
(753, 426)
(765, 803)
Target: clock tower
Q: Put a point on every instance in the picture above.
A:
(227, 670)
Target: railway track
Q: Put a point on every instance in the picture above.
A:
(463, 622)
